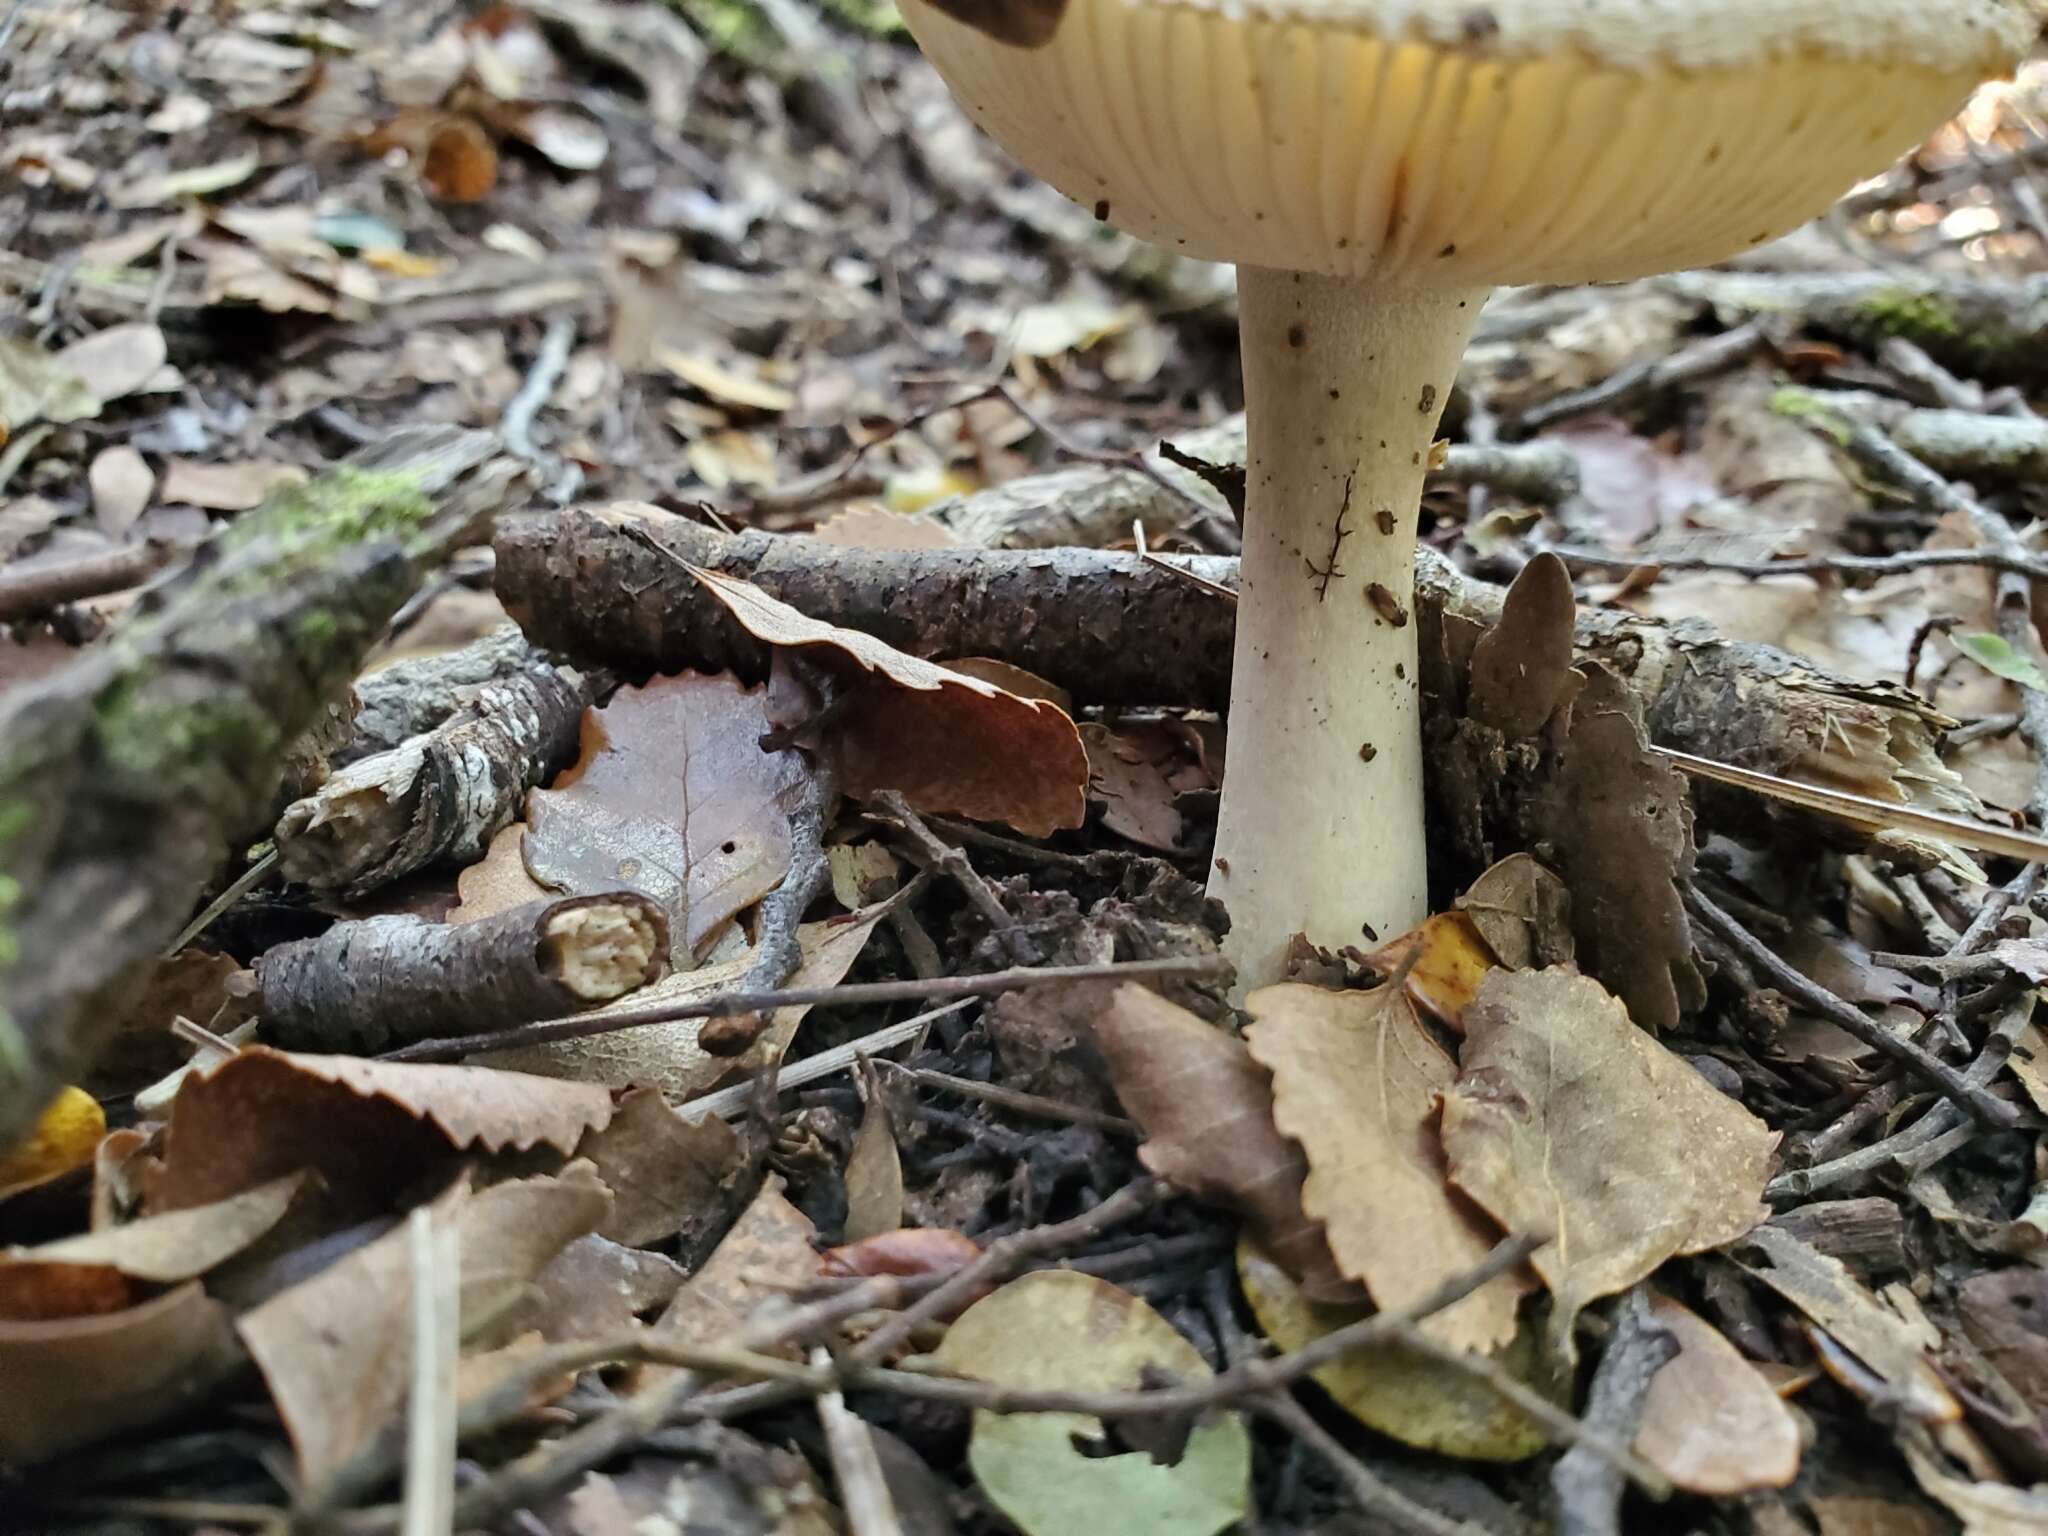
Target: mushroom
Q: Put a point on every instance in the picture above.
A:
(1374, 168)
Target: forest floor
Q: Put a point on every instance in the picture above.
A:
(1025, 1227)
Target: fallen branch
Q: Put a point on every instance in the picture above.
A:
(1118, 629)
(1588, 1488)
(936, 989)
(127, 777)
(364, 986)
(443, 795)
(34, 587)
(410, 698)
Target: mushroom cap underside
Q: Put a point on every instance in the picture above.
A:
(1464, 144)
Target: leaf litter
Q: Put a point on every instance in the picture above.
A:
(676, 236)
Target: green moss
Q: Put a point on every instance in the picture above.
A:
(336, 511)
(1912, 312)
(1803, 405)
(173, 744)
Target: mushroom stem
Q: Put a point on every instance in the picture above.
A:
(1321, 829)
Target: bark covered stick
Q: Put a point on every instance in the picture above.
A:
(126, 777)
(443, 795)
(366, 986)
(410, 698)
(1115, 629)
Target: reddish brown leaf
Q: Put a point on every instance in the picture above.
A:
(947, 742)
(367, 1127)
(96, 1376)
(906, 1251)
(1132, 789)
(672, 797)
(765, 1256)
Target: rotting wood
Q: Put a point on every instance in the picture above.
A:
(409, 698)
(365, 986)
(442, 795)
(1118, 629)
(128, 776)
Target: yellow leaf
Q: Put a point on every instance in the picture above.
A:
(1407, 1396)
(64, 1139)
(1451, 959)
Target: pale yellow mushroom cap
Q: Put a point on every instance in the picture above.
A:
(1519, 141)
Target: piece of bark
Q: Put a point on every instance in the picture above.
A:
(444, 795)
(410, 698)
(1868, 1234)
(366, 986)
(1114, 629)
(126, 777)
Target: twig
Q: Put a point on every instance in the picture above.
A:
(1588, 1488)
(1982, 1106)
(731, 1103)
(242, 885)
(1384, 1505)
(1022, 1103)
(962, 873)
(516, 426)
(436, 1343)
(1688, 365)
(1818, 565)
(33, 588)
(1003, 1257)
(863, 1491)
(937, 989)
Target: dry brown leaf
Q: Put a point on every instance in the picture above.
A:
(96, 1376)
(1567, 1120)
(906, 1251)
(672, 797)
(667, 1174)
(192, 984)
(1984, 1508)
(334, 1350)
(1450, 961)
(870, 525)
(948, 743)
(68, 1277)
(498, 881)
(1356, 1078)
(1620, 821)
(121, 484)
(1851, 1514)
(596, 1288)
(1207, 1111)
(1822, 1288)
(1522, 666)
(1711, 1423)
(765, 1257)
(1523, 912)
(367, 1127)
(1137, 800)
(225, 487)
(874, 1168)
(740, 386)
(668, 1055)
(118, 360)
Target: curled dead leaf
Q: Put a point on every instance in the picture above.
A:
(1207, 1110)
(1711, 1423)
(948, 743)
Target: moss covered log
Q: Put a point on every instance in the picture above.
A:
(127, 777)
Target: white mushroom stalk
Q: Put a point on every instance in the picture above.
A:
(1374, 167)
